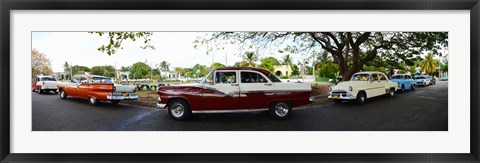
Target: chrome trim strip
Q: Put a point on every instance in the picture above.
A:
(229, 111)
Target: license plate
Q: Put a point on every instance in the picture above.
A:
(335, 97)
(124, 94)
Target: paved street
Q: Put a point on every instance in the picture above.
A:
(425, 109)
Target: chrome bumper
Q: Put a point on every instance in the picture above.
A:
(120, 97)
(160, 104)
(311, 99)
(342, 97)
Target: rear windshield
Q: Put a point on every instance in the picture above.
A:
(48, 79)
(101, 80)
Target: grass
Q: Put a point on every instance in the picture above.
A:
(321, 79)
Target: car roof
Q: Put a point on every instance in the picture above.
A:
(369, 72)
(46, 76)
(91, 76)
(263, 71)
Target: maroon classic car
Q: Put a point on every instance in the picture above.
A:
(234, 89)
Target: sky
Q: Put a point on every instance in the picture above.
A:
(177, 48)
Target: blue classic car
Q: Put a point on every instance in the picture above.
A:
(404, 81)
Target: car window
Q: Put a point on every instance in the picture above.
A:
(273, 78)
(209, 78)
(83, 80)
(375, 77)
(408, 77)
(101, 80)
(252, 77)
(382, 77)
(225, 77)
(48, 79)
(76, 79)
(360, 77)
(397, 77)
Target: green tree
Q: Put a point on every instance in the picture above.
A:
(444, 67)
(107, 71)
(217, 65)
(268, 63)
(250, 58)
(329, 70)
(116, 39)
(287, 60)
(349, 50)
(241, 64)
(429, 64)
(124, 69)
(165, 66)
(139, 70)
(80, 70)
(295, 70)
(199, 71)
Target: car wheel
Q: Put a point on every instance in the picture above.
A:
(115, 102)
(337, 101)
(33, 90)
(280, 110)
(63, 95)
(179, 110)
(361, 97)
(391, 93)
(40, 91)
(403, 88)
(92, 101)
(413, 87)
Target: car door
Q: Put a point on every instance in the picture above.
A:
(255, 90)
(83, 87)
(223, 92)
(383, 83)
(71, 88)
(374, 86)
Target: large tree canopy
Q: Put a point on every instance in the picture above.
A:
(349, 50)
(116, 39)
(40, 64)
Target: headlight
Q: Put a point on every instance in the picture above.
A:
(350, 88)
(329, 88)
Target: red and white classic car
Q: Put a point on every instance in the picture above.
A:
(44, 84)
(95, 89)
(234, 89)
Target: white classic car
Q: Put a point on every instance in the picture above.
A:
(44, 84)
(361, 86)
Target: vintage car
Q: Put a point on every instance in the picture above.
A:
(432, 79)
(235, 89)
(44, 84)
(422, 80)
(95, 89)
(361, 86)
(404, 81)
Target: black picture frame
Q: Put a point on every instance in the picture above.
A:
(9, 5)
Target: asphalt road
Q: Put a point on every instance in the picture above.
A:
(425, 109)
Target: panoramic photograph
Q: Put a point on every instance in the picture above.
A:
(239, 81)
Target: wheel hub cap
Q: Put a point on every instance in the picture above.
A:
(177, 111)
(281, 110)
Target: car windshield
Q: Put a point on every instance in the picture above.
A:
(420, 77)
(359, 77)
(397, 77)
(101, 80)
(48, 79)
(273, 78)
